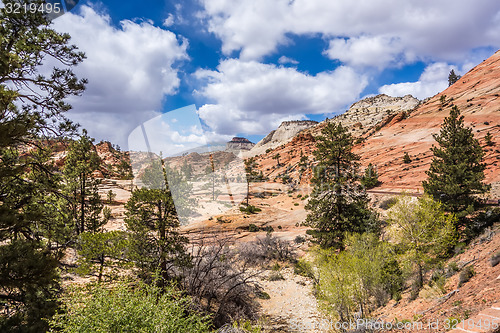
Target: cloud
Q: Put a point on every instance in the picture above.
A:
(433, 80)
(130, 68)
(366, 51)
(285, 60)
(169, 21)
(254, 98)
(437, 30)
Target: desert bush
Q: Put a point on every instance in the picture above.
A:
(299, 239)
(128, 307)
(265, 249)
(452, 269)
(275, 276)
(250, 209)
(495, 259)
(303, 268)
(253, 228)
(465, 275)
(388, 203)
(219, 281)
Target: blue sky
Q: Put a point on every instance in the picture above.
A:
(248, 65)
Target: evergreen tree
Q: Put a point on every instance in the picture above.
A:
(452, 77)
(338, 203)
(370, 179)
(277, 158)
(251, 174)
(488, 139)
(151, 218)
(33, 228)
(81, 161)
(456, 173)
(406, 158)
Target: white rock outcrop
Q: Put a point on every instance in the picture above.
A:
(283, 134)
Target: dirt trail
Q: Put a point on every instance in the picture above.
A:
(292, 306)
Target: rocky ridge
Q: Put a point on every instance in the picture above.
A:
(283, 134)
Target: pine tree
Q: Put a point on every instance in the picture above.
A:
(33, 229)
(456, 173)
(81, 161)
(370, 178)
(153, 222)
(251, 174)
(338, 203)
(488, 139)
(277, 158)
(452, 77)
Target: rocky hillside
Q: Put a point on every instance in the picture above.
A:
(285, 132)
(388, 127)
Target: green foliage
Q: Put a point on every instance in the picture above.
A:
(338, 203)
(406, 158)
(110, 195)
(103, 249)
(456, 173)
(361, 278)
(303, 268)
(262, 295)
(488, 139)
(277, 158)
(29, 280)
(86, 205)
(250, 209)
(452, 77)
(127, 307)
(34, 226)
(370, 178)
(253, 228)
(155, 242)
(424, 233)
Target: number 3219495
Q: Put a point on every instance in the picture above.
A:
(18, 8)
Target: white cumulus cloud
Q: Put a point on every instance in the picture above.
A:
(433, 80)
(130, 68)
(251, 97)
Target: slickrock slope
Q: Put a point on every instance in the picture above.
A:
(408, 128)
(285, 132)
(477, 96)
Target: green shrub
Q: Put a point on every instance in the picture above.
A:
(452, 269)
(465, 275)
(299, 239)
(262, 295)
(253, 228)
(303, 268)
(250, 209)
(388, 203)
(406, 158)
(295, 203)
(127, 307)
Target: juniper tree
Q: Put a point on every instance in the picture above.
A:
(456, 172)
(338, 204)
(370, 178)
(32, 106)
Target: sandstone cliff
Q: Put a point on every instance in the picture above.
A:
(285, 132)
(237, 144)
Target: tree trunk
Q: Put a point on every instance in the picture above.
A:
(82, 203)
